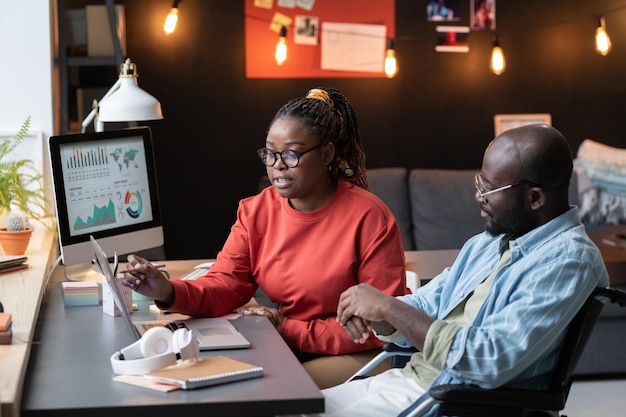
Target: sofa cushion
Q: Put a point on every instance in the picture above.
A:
(444, 211)
(390, 185)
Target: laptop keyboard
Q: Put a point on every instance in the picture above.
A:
(198, 272)
(172, 325)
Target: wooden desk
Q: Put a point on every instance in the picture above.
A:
(70, 372)
(21, 293)
(612, 244)
(429, 263)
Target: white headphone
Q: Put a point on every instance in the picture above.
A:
(158, 347)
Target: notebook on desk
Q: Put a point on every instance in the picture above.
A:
(212, 333)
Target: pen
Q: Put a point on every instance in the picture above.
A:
(115, 264)
(158, 266)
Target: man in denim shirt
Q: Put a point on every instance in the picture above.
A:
(498, 315)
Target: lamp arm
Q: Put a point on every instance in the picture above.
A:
(92, 114)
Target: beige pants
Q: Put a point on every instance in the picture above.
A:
(329, 371)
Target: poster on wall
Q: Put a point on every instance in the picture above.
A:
(483, 14)
(503, 122)
(452, 39)
(443, 10)
(351, 46)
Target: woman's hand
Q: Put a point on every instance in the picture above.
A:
(357, 329)
(275, 316)
(142, 277)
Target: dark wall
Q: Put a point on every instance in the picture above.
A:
(437, 113)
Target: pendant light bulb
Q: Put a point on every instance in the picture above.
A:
(498, 63)
(391, 64)
(603, 42)
(281, 47)
(172, 19)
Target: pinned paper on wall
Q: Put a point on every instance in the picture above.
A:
(353, 46)
(263, 4)
(304, 37)
(305, 4)
(307, 29)
(278, 21)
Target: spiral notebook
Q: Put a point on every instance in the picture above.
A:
(209, 370)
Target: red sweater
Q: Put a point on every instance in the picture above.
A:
(303, 261)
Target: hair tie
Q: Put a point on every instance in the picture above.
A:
(343, 165)
(319, 94)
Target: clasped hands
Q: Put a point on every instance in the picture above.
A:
(360, 310)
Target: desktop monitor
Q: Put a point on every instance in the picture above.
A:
(105, 185)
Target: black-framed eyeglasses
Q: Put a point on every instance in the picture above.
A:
(289, 157)
(482, 192)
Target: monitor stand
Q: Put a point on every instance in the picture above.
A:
(82, 272)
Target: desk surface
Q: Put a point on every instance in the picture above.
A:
(612, 244)
(21, 293)
(69, 371)
(64, 338)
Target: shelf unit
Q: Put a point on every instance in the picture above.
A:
(65, 61)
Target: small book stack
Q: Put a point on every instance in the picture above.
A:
(10, 263)
(6, 333)
(80, 293)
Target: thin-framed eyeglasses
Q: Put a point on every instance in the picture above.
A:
(480, 186)
(289, 157)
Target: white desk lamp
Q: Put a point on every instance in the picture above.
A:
(124, 102)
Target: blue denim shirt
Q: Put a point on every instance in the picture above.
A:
(515, 338)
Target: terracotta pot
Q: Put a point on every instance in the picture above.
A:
(15, 242)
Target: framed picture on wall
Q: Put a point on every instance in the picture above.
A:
(503, 122)
(443, 10)
(483, 14)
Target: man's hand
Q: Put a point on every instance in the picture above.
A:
(359, 309)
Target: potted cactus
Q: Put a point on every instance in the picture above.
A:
(15, 237)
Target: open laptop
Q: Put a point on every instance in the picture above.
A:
(212, 333)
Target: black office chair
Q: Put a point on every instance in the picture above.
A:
(471, 401)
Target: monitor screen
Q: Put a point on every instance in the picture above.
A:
(105, 185)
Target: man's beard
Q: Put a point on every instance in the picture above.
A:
(514, 222)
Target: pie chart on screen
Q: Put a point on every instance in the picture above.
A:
(134, 204)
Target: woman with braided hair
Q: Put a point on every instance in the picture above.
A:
(315, 232)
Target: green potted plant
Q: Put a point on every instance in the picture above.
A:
(20, 187)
